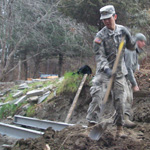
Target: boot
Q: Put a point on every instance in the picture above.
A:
(128, 123)
(120, 132)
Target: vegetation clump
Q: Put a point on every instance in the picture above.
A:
(30, 111)
(8, 110)
(70, 83)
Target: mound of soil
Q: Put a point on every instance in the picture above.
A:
(75, 138)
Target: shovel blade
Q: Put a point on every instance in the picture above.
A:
(96, 132)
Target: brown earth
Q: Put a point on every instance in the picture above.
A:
(74, 138)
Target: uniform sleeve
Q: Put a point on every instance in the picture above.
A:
(101, 59)
(131, 77)
(130, 40)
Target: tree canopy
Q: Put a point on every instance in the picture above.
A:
(131, 13)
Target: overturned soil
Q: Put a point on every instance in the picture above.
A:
(76, 137)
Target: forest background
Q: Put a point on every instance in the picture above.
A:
(54, 36)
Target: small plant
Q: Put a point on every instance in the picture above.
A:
(30, 111)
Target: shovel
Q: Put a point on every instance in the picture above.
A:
(99, 129)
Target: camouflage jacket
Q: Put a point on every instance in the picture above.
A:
(105, 46)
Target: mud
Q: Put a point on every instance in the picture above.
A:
(74, 138)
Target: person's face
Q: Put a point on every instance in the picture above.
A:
(141, 44)
(110, 22)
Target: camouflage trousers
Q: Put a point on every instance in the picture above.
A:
(128, 100)
(118, 99)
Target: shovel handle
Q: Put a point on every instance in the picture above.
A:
(114, 70)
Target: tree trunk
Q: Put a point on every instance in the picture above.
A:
(60, 63)
(37, 61)
(25, 64)
(47, 66)
(19, 69)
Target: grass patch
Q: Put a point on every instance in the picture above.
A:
(70, 83)
(30, 111)
(40, 83)
(8, 110)
(9, 97)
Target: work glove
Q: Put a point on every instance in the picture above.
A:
(108, 72)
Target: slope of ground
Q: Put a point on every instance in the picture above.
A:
(75, 137)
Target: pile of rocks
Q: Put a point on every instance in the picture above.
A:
(36, 96)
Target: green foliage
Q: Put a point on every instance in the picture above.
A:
(9, 97)
(83, 11)
(58, 37)
(131, 13)
(92, 28)
(25, 91)
(70, 83)
(47, 83)
(30, 111)
(8, 110)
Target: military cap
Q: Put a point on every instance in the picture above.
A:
(140, 37)
(107, 11)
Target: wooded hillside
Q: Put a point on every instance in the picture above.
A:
(55, 36)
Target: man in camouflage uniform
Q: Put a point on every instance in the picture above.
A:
(106, 45)
(131, 61)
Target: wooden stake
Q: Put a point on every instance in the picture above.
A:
(75, 99)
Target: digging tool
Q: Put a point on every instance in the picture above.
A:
(99, 129)
(75, 99)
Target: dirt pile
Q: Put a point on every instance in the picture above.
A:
(74, 138)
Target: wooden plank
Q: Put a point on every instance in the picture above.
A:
(75, 99)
